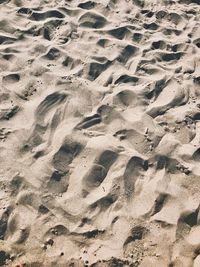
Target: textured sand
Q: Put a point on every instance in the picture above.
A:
(100, 133)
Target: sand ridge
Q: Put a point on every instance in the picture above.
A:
(99, 135)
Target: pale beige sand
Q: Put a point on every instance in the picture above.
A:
(100, 133)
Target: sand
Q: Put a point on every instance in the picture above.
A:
(100, 133)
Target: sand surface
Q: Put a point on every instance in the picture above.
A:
(100, 133)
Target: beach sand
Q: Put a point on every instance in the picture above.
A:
(100, 133)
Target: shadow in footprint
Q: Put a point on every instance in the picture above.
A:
(65, 156)
(137, 233)
(89, 122)
(4, 222)
(119, 33)
(172, 56)
(87, 5)
(99, 170)
(196, 155)
(127, 79)
(104, 203)
(96, 69)
(6, 39)
(38, 16)
(11, 78)
(92, 20)
(185, 222)
(4, 256)
(48, 103)
(127, 52)
(133, 170)
(159, 203)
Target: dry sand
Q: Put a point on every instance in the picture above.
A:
(100, 133)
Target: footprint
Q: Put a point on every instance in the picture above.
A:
(89, 122)
(4, 133)
(4, 222)
(28, 199)
(48, 103)
(127, 53)
(95, 69)
(155, 88)
(159, 44)
(8, 113)
(96, 176)
(58, 182)
(87, 5)
(139, 3)
(93, 234)
(161, 14)
(174, 18)
(39, 16)
(49, 28)
(132, 172)
(6, 39)
(11, 78)
(104, 203)
(4, 256)
(16, 184)
(108, 114)
(125, 98)
(189, 2)
(151, 26)
(190, 219)
(24, 10)
(159, 203)
(196, 155)
(92, 20)
(23, 235)
(103, 42)
(43, 209)
(197, 42)
(137, 233)
(71, 63)
(99, 170)
(52, 54)
(65, 156)
(185, 222)
(120, 32)
(171, 56)
(147, 13)
(172, 95)
(58, 230)
(127, 79)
